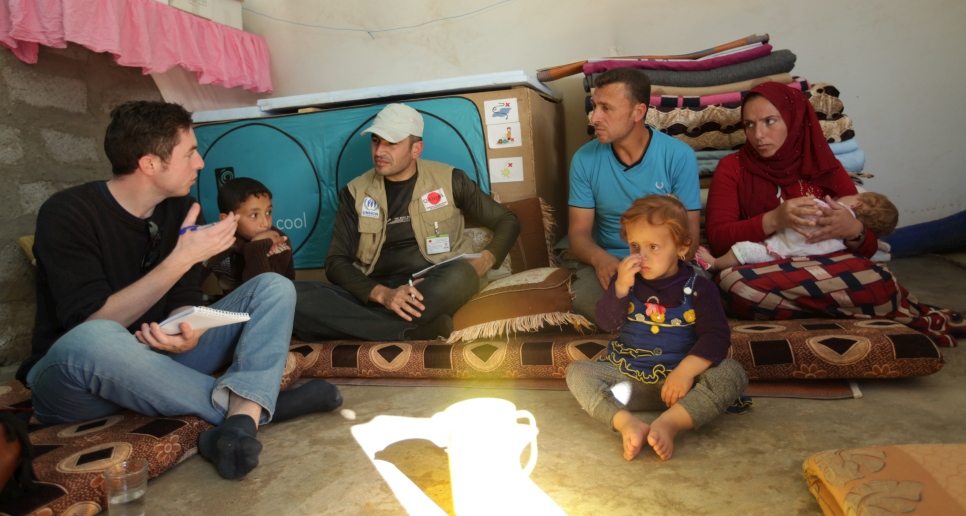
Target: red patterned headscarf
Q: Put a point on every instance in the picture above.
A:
(804, 155)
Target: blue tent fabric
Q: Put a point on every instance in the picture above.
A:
(305, 159)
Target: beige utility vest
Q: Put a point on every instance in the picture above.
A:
(369, 192)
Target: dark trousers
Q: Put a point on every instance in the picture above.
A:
(328, 312)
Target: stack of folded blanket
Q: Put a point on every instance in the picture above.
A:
(824, 98)
(696, 98)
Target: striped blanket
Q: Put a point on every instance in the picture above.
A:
(779, 61)
(681, 65)
(674, 91)
(840, 285)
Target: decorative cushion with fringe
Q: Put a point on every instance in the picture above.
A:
(523, 302)
(904, 479)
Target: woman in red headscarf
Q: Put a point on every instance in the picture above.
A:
(769, 185)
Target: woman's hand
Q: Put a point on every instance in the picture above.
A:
(791, 214)
(836, 223)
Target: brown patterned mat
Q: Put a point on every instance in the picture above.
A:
(814, 390)
(804, 389)
(806, 349)
(822, 349)
(69, 458)
(535, 384)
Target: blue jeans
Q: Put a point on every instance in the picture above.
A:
(99, 367)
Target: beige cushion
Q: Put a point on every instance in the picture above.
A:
(904, 479)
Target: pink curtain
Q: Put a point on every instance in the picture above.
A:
(143, 33)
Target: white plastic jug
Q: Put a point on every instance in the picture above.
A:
(484, 442)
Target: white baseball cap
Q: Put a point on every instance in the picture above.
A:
(395, 122)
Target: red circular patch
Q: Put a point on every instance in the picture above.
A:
(433, 198)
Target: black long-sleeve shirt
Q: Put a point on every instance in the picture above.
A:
(405, 257)
(88, 247)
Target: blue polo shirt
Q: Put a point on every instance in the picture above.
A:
(599, 181)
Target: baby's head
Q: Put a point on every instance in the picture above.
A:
(251, 201)
(874, 210)
(656, 227)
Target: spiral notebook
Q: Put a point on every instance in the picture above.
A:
(201, 318)
(464, 256)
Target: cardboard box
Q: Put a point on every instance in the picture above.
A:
(196, 7)
(226, 12)
(542, 148)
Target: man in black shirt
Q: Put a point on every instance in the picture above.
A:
(116, 257)
(402, 216)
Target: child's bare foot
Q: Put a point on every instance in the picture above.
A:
(633, 432)
(666, 427)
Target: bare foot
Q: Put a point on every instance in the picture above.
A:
(705, 259)
(633, 432)
(666, 427)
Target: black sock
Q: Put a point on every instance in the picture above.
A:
(232, 446)
(313, 396)
(441, 326)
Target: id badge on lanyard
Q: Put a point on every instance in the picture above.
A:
(438, 243)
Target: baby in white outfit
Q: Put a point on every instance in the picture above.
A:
(875, 211)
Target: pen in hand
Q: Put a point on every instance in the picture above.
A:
(412, 296)
(193, 228)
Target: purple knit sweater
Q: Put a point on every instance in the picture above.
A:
(711, 324)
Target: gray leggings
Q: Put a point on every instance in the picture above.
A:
(603, 391)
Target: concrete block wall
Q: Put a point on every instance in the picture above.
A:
(52, 120)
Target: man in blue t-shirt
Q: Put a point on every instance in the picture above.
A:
(628, 160)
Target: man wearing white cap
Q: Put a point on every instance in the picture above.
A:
(400, 217)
